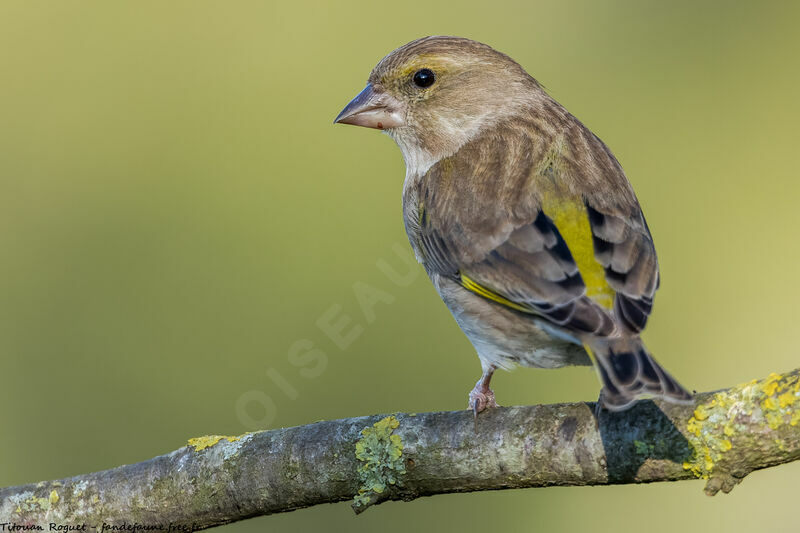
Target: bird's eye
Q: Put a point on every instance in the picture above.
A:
(424, 78)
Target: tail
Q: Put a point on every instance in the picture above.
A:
(628, 373)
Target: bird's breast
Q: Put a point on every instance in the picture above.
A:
(412, 211)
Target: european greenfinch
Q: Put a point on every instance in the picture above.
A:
(522, 218)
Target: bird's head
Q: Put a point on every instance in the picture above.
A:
(434, 94)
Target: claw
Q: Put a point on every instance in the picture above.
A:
(480, 400)
(481, 396)
(598, 407)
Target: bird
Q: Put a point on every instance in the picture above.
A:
(523, 219)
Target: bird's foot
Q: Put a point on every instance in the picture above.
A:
(599, 406)
(481, 398)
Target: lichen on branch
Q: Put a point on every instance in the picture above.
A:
(217, 479)
(380, 453)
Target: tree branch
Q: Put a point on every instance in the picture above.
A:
(216, 480)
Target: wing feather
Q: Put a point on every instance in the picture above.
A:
(624, 247)
(480, 221)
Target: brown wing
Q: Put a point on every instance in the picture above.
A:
(480, 224)
(534, 272)
(480, 221)
(623, 245)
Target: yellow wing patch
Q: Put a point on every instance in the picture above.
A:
(572, 221)
(489, 294)
(570, 217)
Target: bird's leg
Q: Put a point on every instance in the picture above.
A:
(599, 406)
(482, 396)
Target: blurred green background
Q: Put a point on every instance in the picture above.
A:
(176, 211)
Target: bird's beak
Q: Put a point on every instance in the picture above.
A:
(373, 109)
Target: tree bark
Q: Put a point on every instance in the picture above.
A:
(216, 480)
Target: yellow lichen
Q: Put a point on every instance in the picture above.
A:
(694, 426)
(709, 462)
(705, 452)
(770, 385)
(786, 399)
(713, 428)
(779, 404)
(700, 413)
(207, 441)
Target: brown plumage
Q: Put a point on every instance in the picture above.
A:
(523, 219)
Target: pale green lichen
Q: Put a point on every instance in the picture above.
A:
(28, 502)
(644, 449)
(713, 429)
(79, 488)
(380, 452)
